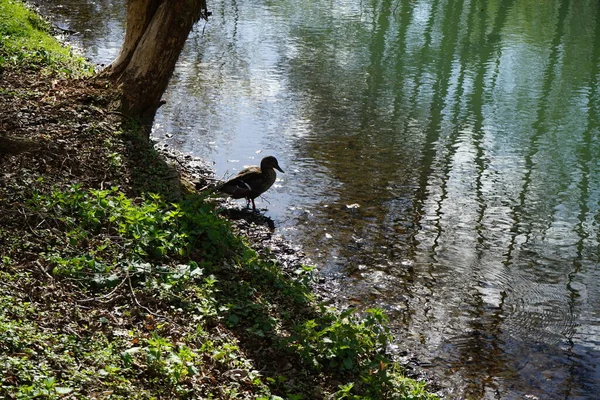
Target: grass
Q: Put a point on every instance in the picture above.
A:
(116, 281)
(25, 39)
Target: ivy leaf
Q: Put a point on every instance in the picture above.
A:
(348, 363)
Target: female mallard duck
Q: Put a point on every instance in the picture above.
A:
(253, 181)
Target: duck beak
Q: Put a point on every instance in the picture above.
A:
(278, 169)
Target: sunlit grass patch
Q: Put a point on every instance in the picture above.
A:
(25, 40)
(104, 229)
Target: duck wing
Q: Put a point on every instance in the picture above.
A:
(243, 184)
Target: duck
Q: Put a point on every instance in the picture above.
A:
(252, 181)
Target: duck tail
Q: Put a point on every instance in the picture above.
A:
(236, 189)
(209, 188)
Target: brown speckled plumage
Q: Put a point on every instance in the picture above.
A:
(253, 181)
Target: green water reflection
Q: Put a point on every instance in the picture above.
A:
(445, 158)
(466, 133)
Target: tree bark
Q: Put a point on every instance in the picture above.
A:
(139, 15)
(156, 33)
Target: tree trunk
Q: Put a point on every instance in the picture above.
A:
(156, 33)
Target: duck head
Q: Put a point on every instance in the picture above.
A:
(270, 162)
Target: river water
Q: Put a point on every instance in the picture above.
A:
(442, 161)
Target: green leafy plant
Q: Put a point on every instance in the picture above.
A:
(145, 229)
(343, 341)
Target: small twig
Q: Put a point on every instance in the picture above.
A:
(202, 189)
(71, 331)
(64, 161)
(100, 298)
(103, 179)
(264, 199)
(43, 221)
(136, 300)
(115, 238)
(41, 267)
(14, 287)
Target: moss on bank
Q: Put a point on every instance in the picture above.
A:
(118, 282)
